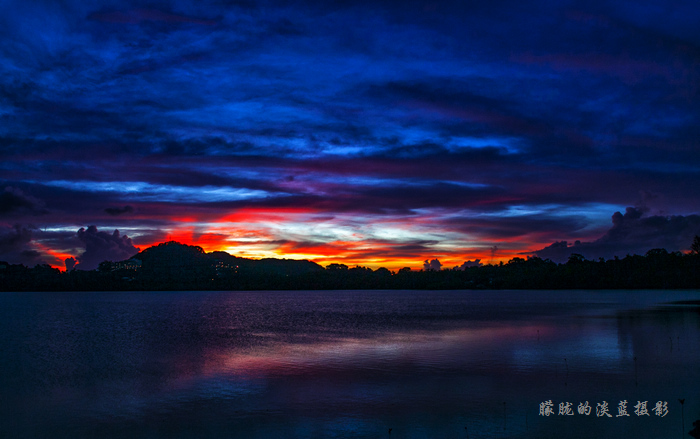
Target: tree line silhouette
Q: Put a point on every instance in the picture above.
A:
(174, 266)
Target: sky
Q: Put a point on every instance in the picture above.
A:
(374, 133)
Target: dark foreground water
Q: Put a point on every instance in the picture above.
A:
(346, 364)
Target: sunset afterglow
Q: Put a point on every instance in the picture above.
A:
(379, 134)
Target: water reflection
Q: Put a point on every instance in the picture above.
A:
(351, 364)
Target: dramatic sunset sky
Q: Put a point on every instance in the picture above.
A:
(378, 133)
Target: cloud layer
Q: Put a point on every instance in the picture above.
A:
(631, 233)
(102, 246)
(373, 133)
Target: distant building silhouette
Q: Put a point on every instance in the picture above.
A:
(129, 264)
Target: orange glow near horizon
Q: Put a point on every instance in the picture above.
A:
(307, 234)
(262, 243)
(59, 257)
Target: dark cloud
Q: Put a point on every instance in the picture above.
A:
(14, 238)
(433, 265)
(454, 100)
(13, 201)
(416, 247)
(424, 194)
(64, 205)
(30, 254)
(115, 211)
(16, 248)
(101, 246)
(631, 233)
(494, 226)
(70, 263)
(559, 251)
(469, 264)
(657, 231)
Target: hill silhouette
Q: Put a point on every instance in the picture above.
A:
(175, 266)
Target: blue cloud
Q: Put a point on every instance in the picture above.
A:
(378, 108)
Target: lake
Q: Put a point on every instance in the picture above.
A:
(349, 364)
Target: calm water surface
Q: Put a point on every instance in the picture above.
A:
(346, 364)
